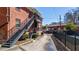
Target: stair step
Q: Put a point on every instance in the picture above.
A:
(6, 46)
(7, 43)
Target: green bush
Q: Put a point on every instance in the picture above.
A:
(26, 35)
(71, 26)
(34, 36)
(44, 27)
(39, 33)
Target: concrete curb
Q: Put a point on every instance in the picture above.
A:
(30, 41)
(54, 45)
(55, 49)
(63, 45)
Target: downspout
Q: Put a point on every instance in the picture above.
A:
(8, 14)
(8, 19)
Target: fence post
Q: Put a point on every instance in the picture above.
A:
(75, 43)
(65, 38)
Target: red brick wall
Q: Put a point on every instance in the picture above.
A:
(3, 24)
(22, 15)
(3, 34)
(3, 18)
(8, 17)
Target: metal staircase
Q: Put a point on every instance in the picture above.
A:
(18, 34)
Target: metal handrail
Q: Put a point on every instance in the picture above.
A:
(13, 30)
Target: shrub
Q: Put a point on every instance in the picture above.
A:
(71, 26)
(34, 36)
(39, 33)
(44, 27)
(26, 35)
(42, 33)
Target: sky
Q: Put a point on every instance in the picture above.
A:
(51, 14)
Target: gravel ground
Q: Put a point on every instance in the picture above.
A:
(58, 45)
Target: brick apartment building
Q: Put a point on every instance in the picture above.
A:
(14, 21)
(56, 26)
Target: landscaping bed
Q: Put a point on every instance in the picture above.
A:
(23, 41)
(27, 39)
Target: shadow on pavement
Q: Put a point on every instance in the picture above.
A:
(49, 47)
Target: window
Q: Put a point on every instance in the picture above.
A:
(17, 23)
(18, 8)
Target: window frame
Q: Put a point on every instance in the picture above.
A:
(18, 24)
(17, 9)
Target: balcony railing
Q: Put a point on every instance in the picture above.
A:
(29, 22)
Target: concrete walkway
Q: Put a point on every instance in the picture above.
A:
(50, 45)
(45, 43)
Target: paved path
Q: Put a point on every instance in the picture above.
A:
(45, 43)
